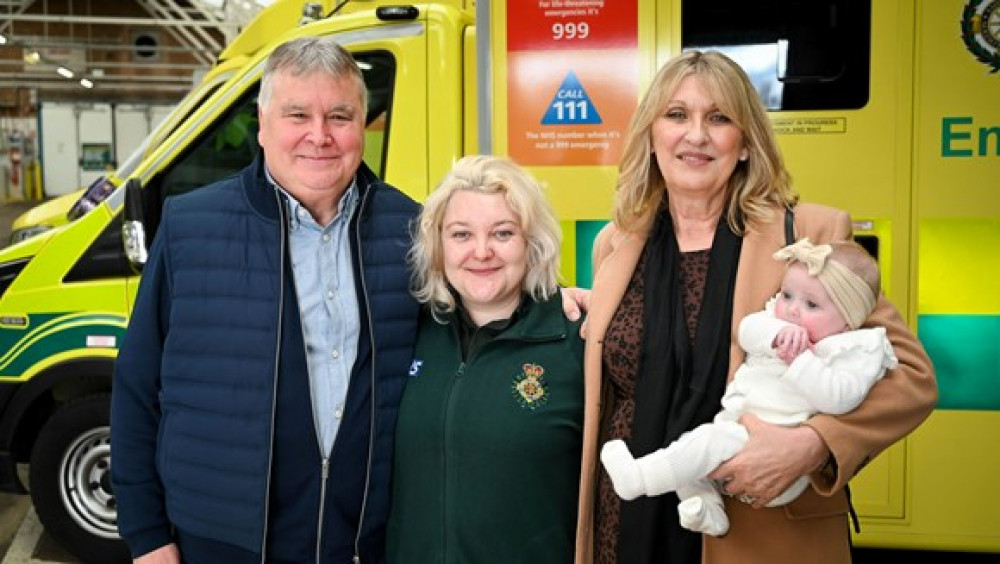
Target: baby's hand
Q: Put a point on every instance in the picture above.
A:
(790, 342)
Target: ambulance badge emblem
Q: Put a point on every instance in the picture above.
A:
(981, 31)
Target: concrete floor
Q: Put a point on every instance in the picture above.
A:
(22, 537)
(13, 508)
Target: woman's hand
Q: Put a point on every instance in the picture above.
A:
(576, 301)
(771, 460)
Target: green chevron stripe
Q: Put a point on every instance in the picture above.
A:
(965, 350)
(53, 334)
(11, 336)
(40, 326)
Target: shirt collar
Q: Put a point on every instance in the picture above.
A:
(299, 215)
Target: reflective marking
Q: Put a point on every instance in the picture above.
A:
(101, 341)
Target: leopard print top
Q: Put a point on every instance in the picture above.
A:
(622, 347)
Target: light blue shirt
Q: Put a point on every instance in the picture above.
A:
(328, 306)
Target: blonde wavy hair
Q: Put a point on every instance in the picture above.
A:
(485, 174)
(757, 185)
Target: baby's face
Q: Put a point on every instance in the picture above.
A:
(804, 302)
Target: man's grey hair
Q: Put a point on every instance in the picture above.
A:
(304, 56)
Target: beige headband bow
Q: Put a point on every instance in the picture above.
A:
(850, 294)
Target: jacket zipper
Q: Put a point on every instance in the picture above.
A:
(453, 384)
(282, 219)
(455, 381)
(325, 474)
(374, 394)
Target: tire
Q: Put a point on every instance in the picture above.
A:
(70, 481)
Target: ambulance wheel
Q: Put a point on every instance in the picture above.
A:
(70, 481)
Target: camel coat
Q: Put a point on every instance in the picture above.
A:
(814, 527)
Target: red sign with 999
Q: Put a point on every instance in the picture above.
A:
(571, 24)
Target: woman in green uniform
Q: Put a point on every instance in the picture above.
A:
(488, 440)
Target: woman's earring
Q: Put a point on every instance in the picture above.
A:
(744, 156)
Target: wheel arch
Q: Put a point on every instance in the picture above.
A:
(37, 399)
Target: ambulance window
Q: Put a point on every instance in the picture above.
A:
(870, 244)
(800, 54)
(159, 134)
(223, 149)
(379, 70)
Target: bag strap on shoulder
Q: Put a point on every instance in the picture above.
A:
(789, 225)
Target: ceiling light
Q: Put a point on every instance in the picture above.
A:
(86, 83)
(3, 39)
(32, 57)
(64, 72)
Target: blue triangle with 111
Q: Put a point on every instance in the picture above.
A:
(571, 105)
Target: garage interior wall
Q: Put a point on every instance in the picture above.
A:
(82, 142)
(136, 58)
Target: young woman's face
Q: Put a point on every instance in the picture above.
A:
(805, 302)
(697, 147)
(485, 252)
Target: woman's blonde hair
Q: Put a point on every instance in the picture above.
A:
(756, 186)
(484, 174)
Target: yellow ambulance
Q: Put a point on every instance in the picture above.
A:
(269, 22)
(886, 108)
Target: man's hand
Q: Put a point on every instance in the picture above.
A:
(771, 460)
(166, 554)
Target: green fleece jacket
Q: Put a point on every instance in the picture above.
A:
(487, 458)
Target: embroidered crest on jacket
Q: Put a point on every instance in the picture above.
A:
(529, 387)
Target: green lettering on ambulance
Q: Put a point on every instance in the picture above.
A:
(950, 135)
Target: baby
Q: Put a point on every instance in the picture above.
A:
(805, 354)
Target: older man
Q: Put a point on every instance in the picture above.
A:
(256, 391)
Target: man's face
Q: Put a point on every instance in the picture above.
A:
(312, 134)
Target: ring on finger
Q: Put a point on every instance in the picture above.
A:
(747, 499)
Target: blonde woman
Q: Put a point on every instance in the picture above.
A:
(702, 200)
(489, 432)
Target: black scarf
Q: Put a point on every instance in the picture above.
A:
(679, 385)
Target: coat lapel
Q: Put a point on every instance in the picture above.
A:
(611, 281)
